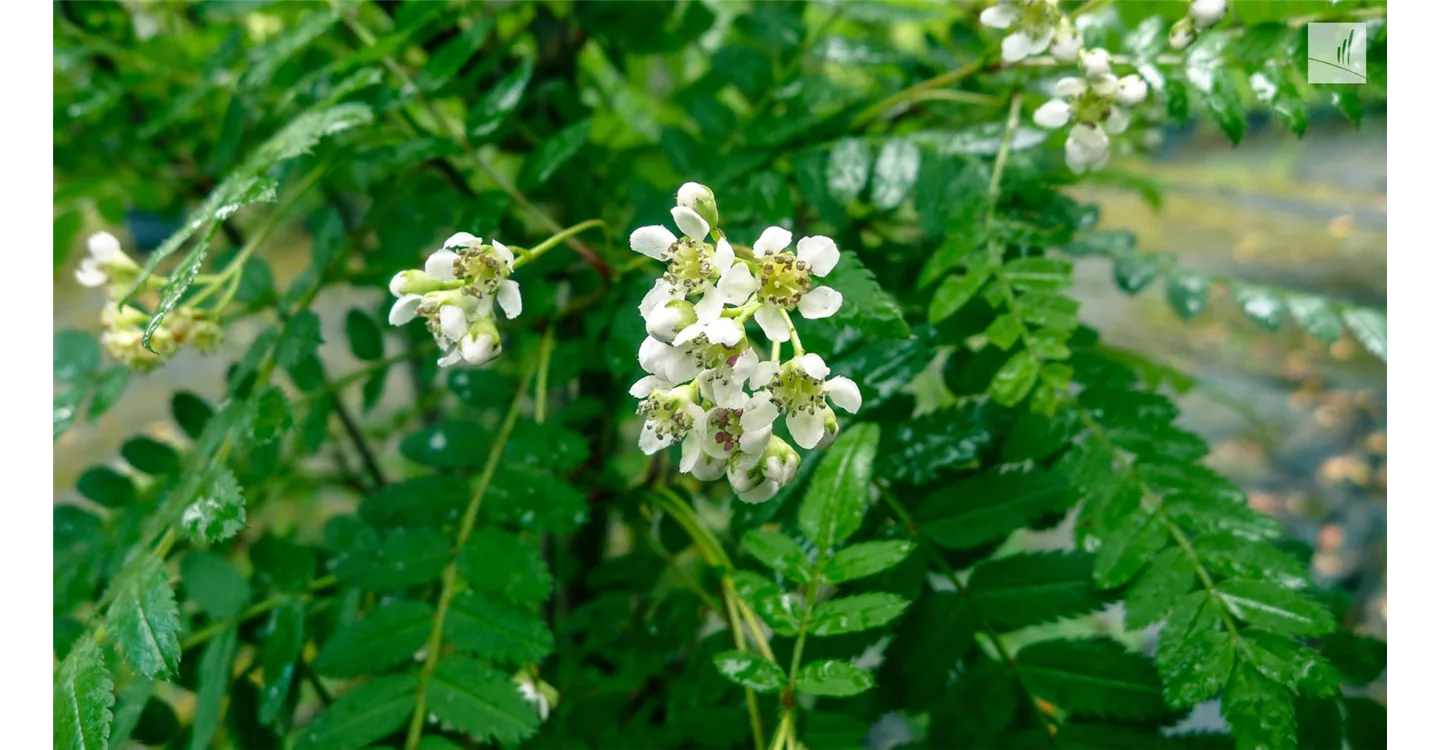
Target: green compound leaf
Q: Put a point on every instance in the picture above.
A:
(82, 699)
(750, 670)
(145, 620)
(1092, 677)
(831, 678)
(219, 512)
(855, 613)
(1269, 606)
(387, 636)
(839, 492)
(362, 716)
(866, 559)
(778, 552)
(1259, 711)
(495, 630)
(482, 702)
(1031, 589)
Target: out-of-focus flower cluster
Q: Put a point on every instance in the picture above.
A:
(456, 294)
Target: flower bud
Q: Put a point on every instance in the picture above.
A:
(701, 200)
(1095, 62)
(1182, 34)
(1207, 13)
(832, 429)
(482, 342)
(1066, 47)
(1131, 91)
(667, 320)
(414, 281)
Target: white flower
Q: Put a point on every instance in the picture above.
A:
(664, 321)
(756, 477)
(1095, 62)
(785, 280)
(657, 241)
(1132, 91)
(700, 199)
(672, 415)
(1087, 148)
(1207, 13)
(1182, 34)
(798, 389)
(105, 263)
(724, 436)
(1066, 47)
(725, 383)
(1053, 114)
(1034, 21)
(671, 364)
(479, 342)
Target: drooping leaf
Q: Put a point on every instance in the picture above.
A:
(145, 620)
(447, 61)
(1029, 589)
(989, 506)
(839, 492)
(106, 486)
(385, 637)
(1359, 659)
(491, 110)
(750, 670)
(363, 331)
(866, 559)
(1262, 306)
(831, 678)
(1189, 294)
(480, 701)
(855, 613)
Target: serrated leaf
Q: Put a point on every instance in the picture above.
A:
(447, 61)
(535, 500)
(264, 63)
(405, 557)
(500, 563)
(1259, 711)
(1316, 317)
(1193, 654)
(916, 451)
(778, 552)
(1092, 677)
(130, 708)
(385, 637)
(1204, 513)
(989, 506)
(1369, 328)
(848, 169)
(218, 513)
(1015, 379)
(866, 559)
(546, 160)
(1125, 548)
(546, 446)
(490, 112)
(214, 683)
(1030, 589)
(833, 679)
(271, 417)
(299, 340)
(1168, 576)
(145, 620)
(492, 629)
(449, 444)
(1231, 555)
(750, 670)
(174, 290)
(1269, 606)
(213, 583)
(362, 716)
(480, 701)
(855, 613)
(868, 306)
(284, 638)
(82, 700)
(1189, 294)
(896, 169)
(839, 492)
(365, 336)
(1281, 659)
(956, 290)
(427, 501)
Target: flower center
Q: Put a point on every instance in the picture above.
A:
(482, 269)
(1038, 16)
(784, 279)
(707, 355)
(665, 414)
(1091, 108)
(724, 428)
(793, 390)
(691, 264)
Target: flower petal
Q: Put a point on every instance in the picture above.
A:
(440, 266)
(814, 366)
(689, 333)
(708, 469)
(1000, 16)
(463, 239)
(477, 350)
(651, 443)
(820, 253)
(103, 246)
(737, 284)
(504, 253)
(1015, 47)
(690, 450)
(692, 224)
(772, 321)
(1118, 120)
(724, 255)
(844, 393)
(89, 273)
(820, 302)
(759, 412)
(725, 332)
(1069, 86)
(729, 392)
(659, 294)
(652, 241)
(452, 322)
(764, 372)
(509, 298)
(760, 492)
(772, 240)
(404, 309)
(806, 427)
(645, 385)
(710, 304)
(1052, 114)
(755, 441)
(397, 284)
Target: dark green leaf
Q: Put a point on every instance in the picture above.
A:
(1365, 723)
(832, 678)
(989, 506)
(405, 557)
(497, 631)
(535, 500)
(1360, 659)
(750, 670)
(214, 683)
(480, 701)
(867, 306)
(778, 552)
(299, 340)
(1223, 101)
(106, 486)
(1092, 677)
(271, 418)
(428, 501)
(144, 619)
(284, 638)
(387, 636)
(1232, 555)
(362, 716)
(854, 613)
(490, 112)
(151, 456)
(866, 559)
(501, 563)
(214, 584)
(1188, 293)
(1259, 711)
(1030, 589)
(1135, 272)
(552, 154)
(1194, 655)
(839, 492)
(451, 57)
(1269, 606)
(1126, 548)
(109, 387)
(1168, 576)
(450, 444)
(915, 451)
(363, 331)
(1283, 660)
(191, 413)
(956, 290)
(82, 699)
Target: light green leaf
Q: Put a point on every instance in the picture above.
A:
(1281, 659)
(214, 684)
(387, 636)
(1004, 330)
(1015, 379)
(271, 417)
(268, 59)
(1134, 272)
(495, 630)
(1259, 711)
(446, 62)
(854, 613)
(750, 670)
(284, 638)
(896, 169)
(1030, 589)
(839, 492)
(490, 112)
(144, 619)
(868, 306)
(989, 506)
(1189, 294)
(1369, 328)
(1223, 100)
(219, 512)
(848, 169)
(109, 387)
(956, 290)
(1092, 677)
(1262, 306)
(552, 154)
(1267, 605)
(831, 678)
(1168, 576)
(77, 355)
(1037, 273)
(778, 552)
(866, 559)
(213, 583)
(362, 716)
(82, 700)
(1316, 317)
(480, 701)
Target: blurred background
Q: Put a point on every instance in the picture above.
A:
(1300, 425)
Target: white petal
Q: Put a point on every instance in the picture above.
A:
(690, 450)
(692, 224)
(1000, 16)
(772, 321)
(652, 241)
(1132, 90)
(820, 253)
(1066, 48)
(755, 441)
(760, 492)
(1106, 85)
(710, 304)
(820, 302)
(405, 309)
(1118, 120)
(1095, 62)
(103, 246)
(509, 297)
(772, 240)
(1207, 13)
(645, 385)
(452, 357)
(724, 331)
(651, 443)
(760, 411)
(724, 255)
(1015, 47)
(730, 392)
(708, 469)
(1038, 44)
(843, 393)
(463, 239)
(503, 253)
(653, 354)
(682, 369)
(1052, 114)
(397, 284)
(663, 322)
(814, 366)
(737, 284)
(1069, 86)
(89, 273)
(806, 427)
(440, 266)
(659, 294)
(478, 350)
(452, 322)
(689, 333)
(764, 372)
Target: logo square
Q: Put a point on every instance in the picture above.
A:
(1337, 53)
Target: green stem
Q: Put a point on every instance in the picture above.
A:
(534, 253)
(547, 347)
(908, 94)
(450, 579)
(339, 384)
(252, 612)
(794, 335)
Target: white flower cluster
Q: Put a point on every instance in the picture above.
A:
(123, 329)
(1036, 26)
(700, 360)
(456, 294)
(1203, 14)
(1099, 104)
